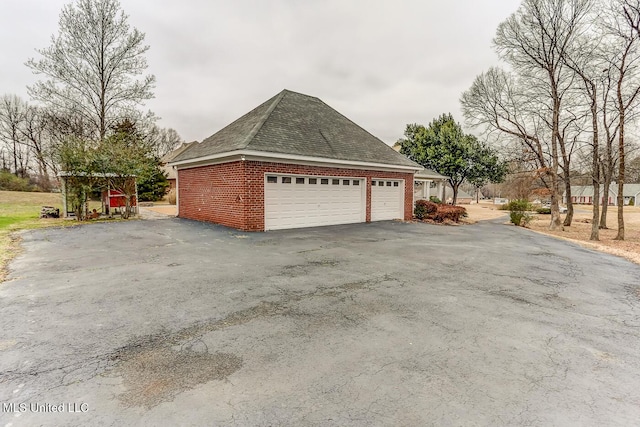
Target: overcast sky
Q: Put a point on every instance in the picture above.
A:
(383, 64)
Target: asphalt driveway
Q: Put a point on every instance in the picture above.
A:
(174, 322)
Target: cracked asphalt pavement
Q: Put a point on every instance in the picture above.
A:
(175, 322)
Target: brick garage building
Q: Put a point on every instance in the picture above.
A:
(292, 162)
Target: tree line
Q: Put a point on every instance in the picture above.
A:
(89, 97)
(569, 91)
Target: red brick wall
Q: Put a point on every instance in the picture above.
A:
(232, 194)
(213, 193)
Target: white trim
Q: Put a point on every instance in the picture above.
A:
(288, 158)
(208, 161)
(435, 177)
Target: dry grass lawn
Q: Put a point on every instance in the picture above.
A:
(165, 209)
(484, 211)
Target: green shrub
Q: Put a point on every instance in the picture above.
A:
(632, 201)
(434, 199)
(521, 219)
(519, 205)
(504, 207)
(10, 182)
(544, 211)
(152, 184)
(424, 208)
(518, 212)
(419, 211)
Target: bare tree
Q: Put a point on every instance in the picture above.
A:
(586, 58)
(36, 138)
(623, 25)
(12, 113)
(498, 102)
(528, 104)
(164, 140)
(94, 67)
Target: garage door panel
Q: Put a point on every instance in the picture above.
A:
(387, 200)
(308, 205)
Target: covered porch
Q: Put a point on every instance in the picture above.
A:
(427, 183)
(78, 188)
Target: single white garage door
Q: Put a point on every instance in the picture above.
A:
(387, 199)
(292, 201)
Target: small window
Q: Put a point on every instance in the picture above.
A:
(286, 180)
(356, 182)
(313, 180)
(272, 179)
(324, 181)
(395, 184)
(373, 183)
(388, 183)
(335, 182)
(345, 182)
(299, 180)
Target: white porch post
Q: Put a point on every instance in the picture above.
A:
(441, 191)
(427, 189)
(63, 182)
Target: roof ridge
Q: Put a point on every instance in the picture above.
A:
(262, 121)
(300, 93)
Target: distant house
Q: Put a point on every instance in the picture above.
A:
(293, 162)
(169, 170)
(464, 198)
(631, 194)
(583, 194)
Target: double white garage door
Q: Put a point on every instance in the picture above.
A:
(294, 201)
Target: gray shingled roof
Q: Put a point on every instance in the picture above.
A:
(429, 174)
(582, 190)
(293, 123)
(630, 190)
(180, 149)
(169, 170)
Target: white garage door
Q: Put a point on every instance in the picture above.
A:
(292, 201)
(387, 199)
